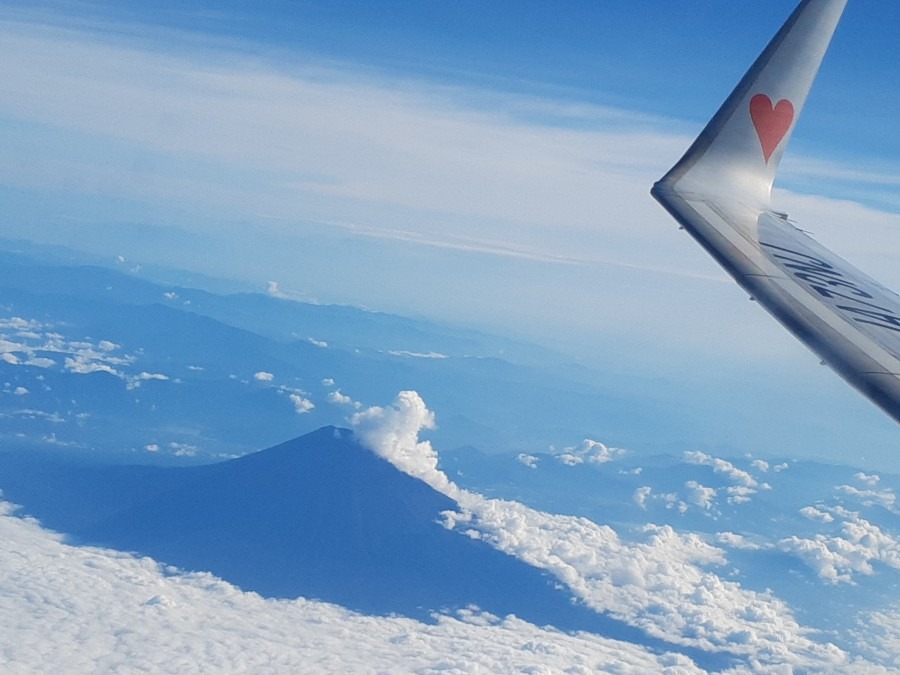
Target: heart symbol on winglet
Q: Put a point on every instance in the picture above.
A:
(771, 122)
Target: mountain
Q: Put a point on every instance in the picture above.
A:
(106, 361)
(318, 517)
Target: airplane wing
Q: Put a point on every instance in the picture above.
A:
(720, 192)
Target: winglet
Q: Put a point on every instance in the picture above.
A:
(739, 150)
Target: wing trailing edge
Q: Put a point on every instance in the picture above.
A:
(720, 192)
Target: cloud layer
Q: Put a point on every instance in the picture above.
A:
(86, 610)
(661, 584)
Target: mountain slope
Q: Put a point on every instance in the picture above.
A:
(319, 517)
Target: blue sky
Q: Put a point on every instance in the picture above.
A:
(480, 163)
(621, 54)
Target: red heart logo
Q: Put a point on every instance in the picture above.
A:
(771, 122)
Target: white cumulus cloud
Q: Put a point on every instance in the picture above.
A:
(659, 583)
(760, 465)
(85, 366)
(528, 460)
(338, 398)
(393, 433)
(885, 498)
(836, 558)
(868, 479)
(701, 496)
(721, 466)
(817, 515)
(589, 451)
(40, 362)
(301, 405)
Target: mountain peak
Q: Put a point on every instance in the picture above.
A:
(319, 516)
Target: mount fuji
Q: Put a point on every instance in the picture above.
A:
(318, 517)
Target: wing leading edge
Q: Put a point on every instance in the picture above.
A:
(720, 193)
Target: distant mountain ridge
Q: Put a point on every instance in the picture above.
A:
(178, 366)
(55, 270)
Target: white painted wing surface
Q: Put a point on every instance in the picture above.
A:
(720, 193)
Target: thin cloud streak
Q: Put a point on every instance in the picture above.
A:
(324, 145)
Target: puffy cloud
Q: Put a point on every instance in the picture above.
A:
(645, 493)
(598, 452)
(885, 498)
(40, 362)
(702, 496)
(393, 433)
(760, 465)
(659, 583)
(301, 405)
(878, 638)
(589, 451)
(263, 376)
(569, 459)
(318, 343)
(183, 449)
(817, 515)
(869, 480)
(85, 366)
(143, 376)
(7, 347)
(738, 541)
(135, 381)
(641, 495)
(721, 466)
(328, 382)
(17, 323)
(20, 391)
(83, 610)
(528, 460)
(739, 494)
(835, 559)
(338, 398)
(746, 486)
(35, 340)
